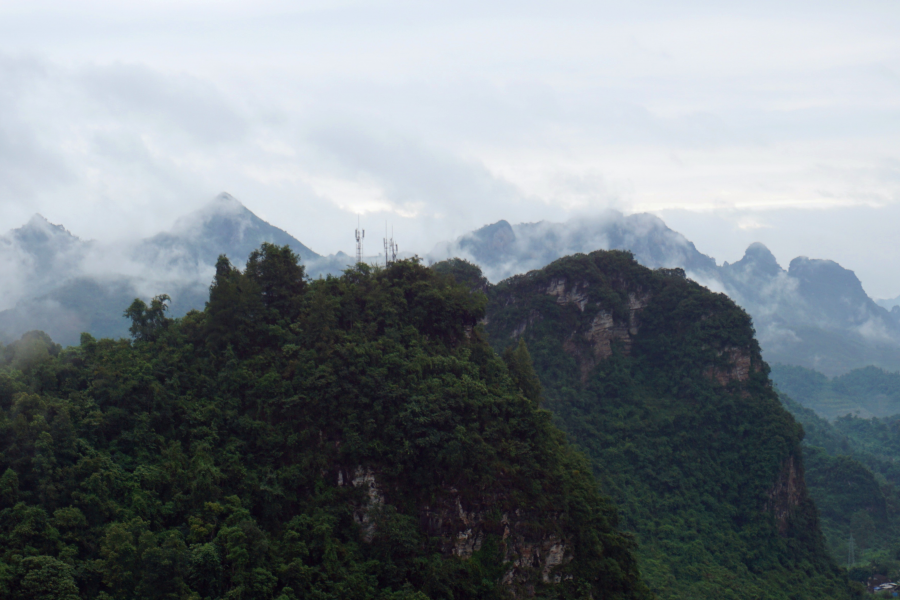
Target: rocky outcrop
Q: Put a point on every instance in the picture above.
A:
(787, 493)
(533, 317)
(463, 526)
(737, 366)
(576, 294)
(364, 478)
(604, 330)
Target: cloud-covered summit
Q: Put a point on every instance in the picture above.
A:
(61, 284)
(815, 313)
(223, 224)
(503, 250)
(35, 256)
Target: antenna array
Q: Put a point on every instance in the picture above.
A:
(390, 247)
(360, 235)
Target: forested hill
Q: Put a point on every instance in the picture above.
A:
(346, 438)
(867, 392)
(661, 382)
(853, 475)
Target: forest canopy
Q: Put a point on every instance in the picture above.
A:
(349, 437)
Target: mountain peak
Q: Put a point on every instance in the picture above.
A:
(821, 271)
(757, 258)
(38, 219)
(832, 286)
(39, 229)
(224, 202)
(500, 232)
(224, 225)
(491, 240)
(759, 251)
(761, 255)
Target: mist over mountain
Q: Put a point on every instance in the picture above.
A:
(61, 284)
(892, 305)
(200, 237)
(814, 314)
(503, 250)
(34, 256)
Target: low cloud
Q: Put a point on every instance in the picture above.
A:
(504, 250)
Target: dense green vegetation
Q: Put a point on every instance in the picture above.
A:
(212, 455)
(852, 460)
(853, 476)
(866, 392)
(693, 463)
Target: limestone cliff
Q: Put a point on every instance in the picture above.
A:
(663, 383)
(531, 542)
(787, 493)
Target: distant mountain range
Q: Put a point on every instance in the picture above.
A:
(61, 284)
(815, 314)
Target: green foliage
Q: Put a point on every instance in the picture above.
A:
(464, 273)
(45, 578)
(148, 322)
(691, 462)
(30, 351)
(867, 392)
(521, 369)
(853, 476)
(212, 456)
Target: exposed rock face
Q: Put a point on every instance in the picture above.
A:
(576, 294)
(787, 493)
(533, 317)
(604, 330)
(463, 527)
(738, 366)
(365, 478)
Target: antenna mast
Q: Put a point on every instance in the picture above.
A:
(390, 247)
(360, 235)
(851, 552)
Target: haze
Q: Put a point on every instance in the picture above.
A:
(736, 124)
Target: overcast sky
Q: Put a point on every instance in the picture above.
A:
(777, 122)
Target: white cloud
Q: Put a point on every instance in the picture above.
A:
(116, 118)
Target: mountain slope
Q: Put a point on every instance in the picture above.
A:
(867, 392)
(662, 383)
(349, 437)
(853, 477)
(503, 250)
(815, 314)
(224, 226)
(65, 286)
(36, 257)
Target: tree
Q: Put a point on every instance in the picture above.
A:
(147, 322)
(46, 578)
(863, 528)
(280, 277)
(521, 368)
(32, 349)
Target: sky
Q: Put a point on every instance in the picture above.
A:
(777, 122)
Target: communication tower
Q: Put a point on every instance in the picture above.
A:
(360, 235)
(851, 552)
(390, 247)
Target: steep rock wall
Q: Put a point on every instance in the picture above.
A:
(787, 493)
(674, 403)
(462, 526)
